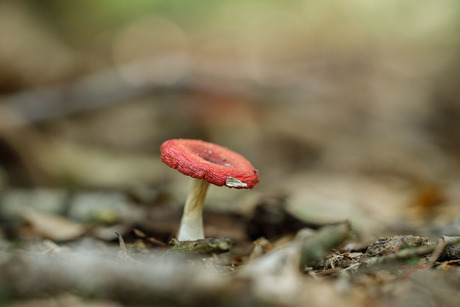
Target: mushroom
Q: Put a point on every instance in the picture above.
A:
(206, 163)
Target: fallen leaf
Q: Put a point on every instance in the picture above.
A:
(53, 227)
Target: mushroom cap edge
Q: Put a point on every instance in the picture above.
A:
(204, 160)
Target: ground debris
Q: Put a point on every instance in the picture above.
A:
(261, 247)
(207, 246)
(276, 274)
(390, 245)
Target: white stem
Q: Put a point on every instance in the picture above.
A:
(191, 224)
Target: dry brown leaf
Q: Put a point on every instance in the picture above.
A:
(53, 227)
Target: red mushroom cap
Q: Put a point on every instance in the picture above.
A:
(213, 163)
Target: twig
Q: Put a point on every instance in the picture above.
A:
(402, 254)
(152, 240)
(122, 243)
(412, 252)
(437, 252)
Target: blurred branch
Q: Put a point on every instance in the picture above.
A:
(158, 280)
(108, 87)
(93, 92)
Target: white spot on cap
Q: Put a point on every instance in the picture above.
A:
(235, 183)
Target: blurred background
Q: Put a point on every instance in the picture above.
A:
(349, 109)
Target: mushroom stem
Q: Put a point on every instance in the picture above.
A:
(191, 224)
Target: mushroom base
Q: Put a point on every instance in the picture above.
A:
(191, 225)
